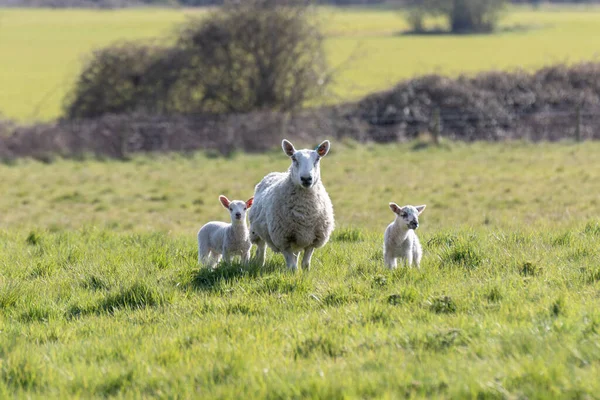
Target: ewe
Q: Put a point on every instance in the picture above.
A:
(400, 239)
(220, 238)
(292, 210)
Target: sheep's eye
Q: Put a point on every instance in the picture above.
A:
(245, 208)
(294, 159)
(403, 214)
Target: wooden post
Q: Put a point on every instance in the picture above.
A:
(437, 126)
(578, 123)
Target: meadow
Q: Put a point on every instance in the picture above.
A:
(43, 50)
(101, 294)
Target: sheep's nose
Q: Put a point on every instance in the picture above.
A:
(238, 215)
(306, 180)
(414, 225)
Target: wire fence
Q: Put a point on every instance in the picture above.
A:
(121, 135)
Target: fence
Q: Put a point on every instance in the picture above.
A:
(120, 135)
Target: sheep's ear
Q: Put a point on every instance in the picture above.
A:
(225, 201)
(420, 208)
(323, 148)
(288, 147)
(395, 208)
(249, 202)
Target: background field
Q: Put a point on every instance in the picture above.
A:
(42, 50)
(100, 293)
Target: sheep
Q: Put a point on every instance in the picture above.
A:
(400, 239)
(218, 238)
(292, 211)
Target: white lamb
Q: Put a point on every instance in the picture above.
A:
(220, 238)
(400, 239)
(292, 211)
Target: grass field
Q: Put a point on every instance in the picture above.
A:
(42, 50)
(100, 293)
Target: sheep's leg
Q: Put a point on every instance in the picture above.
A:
(261, 251)
(308, 252)
(291, 260)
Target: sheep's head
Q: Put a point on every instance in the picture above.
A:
(305, 170)
(237, 208)
(407, 215)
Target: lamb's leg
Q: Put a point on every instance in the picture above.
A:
(390, 262)
(209, 259)
(203, 251)
(226, 256)
(417, 254)
(308, 252)
(291, 259)
(417, 258)
(408, 260)
(216, 259)
(246, 257)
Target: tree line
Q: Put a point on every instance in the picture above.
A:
(200, 3)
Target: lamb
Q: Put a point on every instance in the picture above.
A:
(292, 211)
(220, 238)
(400, 239)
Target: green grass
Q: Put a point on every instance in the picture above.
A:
(43, 50)
(101, 295)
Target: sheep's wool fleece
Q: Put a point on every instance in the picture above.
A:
(400, 242)
(287, 216)
(215, 234)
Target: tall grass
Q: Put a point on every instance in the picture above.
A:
(101, 295)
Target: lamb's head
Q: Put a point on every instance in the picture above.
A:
(305, 170)
(237, 208)
(408, 215)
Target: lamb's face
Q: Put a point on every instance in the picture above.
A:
(407, 215)
(305, 170)
(237, 208)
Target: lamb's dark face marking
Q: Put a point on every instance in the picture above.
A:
(305, 170)
(407, 215)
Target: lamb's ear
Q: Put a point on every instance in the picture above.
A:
(249, 202)
(225, 201)
(288, 147)
(420, 208)
(323, 148)
(395, 208)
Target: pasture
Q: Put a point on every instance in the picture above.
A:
(101, 295)
(43, 50)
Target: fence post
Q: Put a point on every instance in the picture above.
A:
(578, 123)
(437, 126)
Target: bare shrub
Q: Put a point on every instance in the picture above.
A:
(244, 56)
(490, 105)
(552, 104)
(121, 78)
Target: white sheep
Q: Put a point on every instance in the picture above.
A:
(218, 238)
(400, 239)
(292, 211)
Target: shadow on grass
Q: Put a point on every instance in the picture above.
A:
(209, 279)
